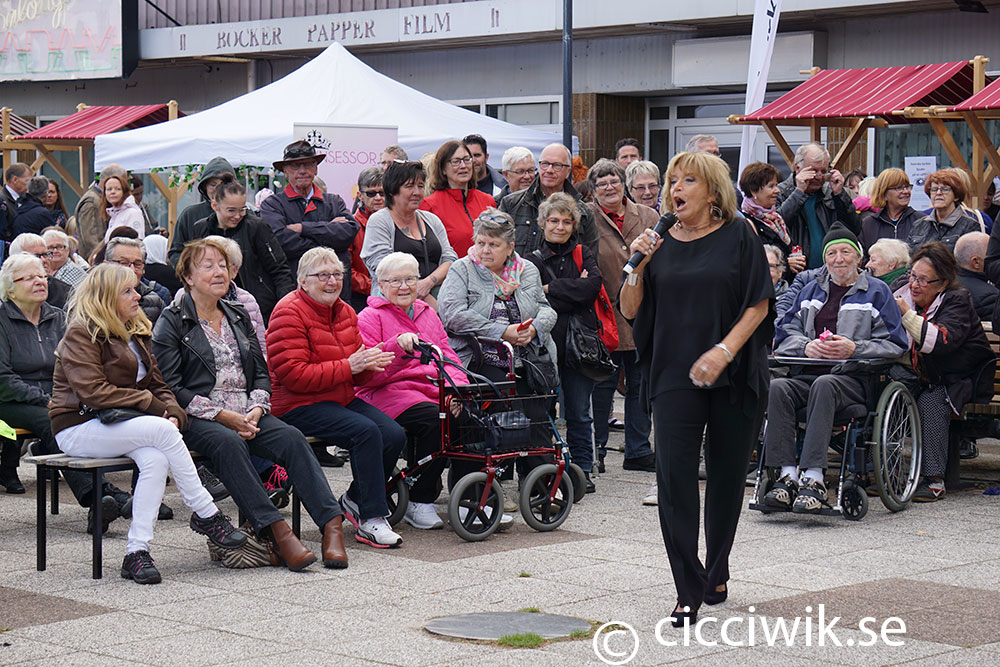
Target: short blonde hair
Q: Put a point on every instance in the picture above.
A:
(316, 256)
(94, 304)
(12, 265)
(709, 168)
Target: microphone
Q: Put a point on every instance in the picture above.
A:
(661, 227)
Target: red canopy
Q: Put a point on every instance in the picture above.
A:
(92, 121)
(19, 126)
(853, 93)
(986, 99)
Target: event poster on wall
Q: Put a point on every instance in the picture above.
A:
(349, 149)
(918, 169)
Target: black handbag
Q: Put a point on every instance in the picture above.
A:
(539, 368)
(586, 353)
(508, 431)
(116, 415)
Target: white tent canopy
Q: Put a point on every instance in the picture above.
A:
(335, 88)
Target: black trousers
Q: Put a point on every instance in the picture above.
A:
(423, 430)
(679, 419)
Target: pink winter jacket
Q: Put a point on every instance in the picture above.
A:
(404, 382)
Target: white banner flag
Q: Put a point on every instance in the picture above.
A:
(765, 28)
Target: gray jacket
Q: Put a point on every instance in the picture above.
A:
(380, 239)
(27, 353)
(466, 299)
(830, 208)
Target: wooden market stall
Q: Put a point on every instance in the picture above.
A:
(14, 126)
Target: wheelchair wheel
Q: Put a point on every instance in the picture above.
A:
(474, 524)
(853, 501)
(897, 452)
(579, 480)
(538, 511)
(397, 497)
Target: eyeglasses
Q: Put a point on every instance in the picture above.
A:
(653, 187)
(236, 211)
(137, 264)
(943, 189)
(907, 186)
(560, 221)
(34, 277)
(324, 277)
(43, 255)
(53, 248)
(521, 172)
(609, 184)
(371, 194)
(409, 281)
(457, 161)
(494, 218)
(922, 282)
(554, 166)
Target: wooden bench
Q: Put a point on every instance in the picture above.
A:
(972, 414)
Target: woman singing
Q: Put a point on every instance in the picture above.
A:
(705, 365)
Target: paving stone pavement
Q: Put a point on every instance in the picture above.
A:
(936, 567)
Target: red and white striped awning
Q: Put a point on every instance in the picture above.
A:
(92, 121)
(19, 126)
(986, 99)
(875, 92)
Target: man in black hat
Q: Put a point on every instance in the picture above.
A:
(303, 217)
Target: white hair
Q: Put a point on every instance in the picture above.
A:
(396, 261)
(693, 142)
(640, 167)
(21, 240)
(778, 254)
(513, 155)
(55, 235)
(316, 256)
(14, 264)
(892, 250)
(233, 250)
(811, 148)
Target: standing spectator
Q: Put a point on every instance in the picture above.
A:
(811, 199)
(947, 220)
(642, 182)
(91, 220)
(554, 163)
(302, 217)
(54, 202)
(390, 153)
(371, 196)
(488, 179)
(150, 225)
(33, 244)
(453, 199)
(15, 185)
(131, 253)
(853, 181)
(970, 253)
(32, 216)
(891, 216)
(120, 209)
(183, 231)
(619, 221)
(989, 206)
(627, 151)
(519, 170)
(759, 182)
(401, 227)
(62, 267)
(158, 268)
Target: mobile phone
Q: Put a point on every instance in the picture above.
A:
(525, 324)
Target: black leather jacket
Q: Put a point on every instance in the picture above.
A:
(185, 357)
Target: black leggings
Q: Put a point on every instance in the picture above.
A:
(423, 431)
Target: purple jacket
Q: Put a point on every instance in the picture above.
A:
(404, 382)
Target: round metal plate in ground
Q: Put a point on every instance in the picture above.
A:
(494, 625)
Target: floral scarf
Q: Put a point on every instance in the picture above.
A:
(509, 278)
(770, 217)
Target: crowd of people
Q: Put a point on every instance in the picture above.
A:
(267, 320)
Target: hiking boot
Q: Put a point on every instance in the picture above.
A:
(212, 483)
(140, 568)
(423, 516)
(377, 532)
(277, 485)
(164, 513)
(929, 490)
(811, 498)
(109, 512)
(219, 531)
(122, 498)
(783, 493)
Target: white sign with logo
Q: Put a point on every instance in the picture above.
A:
(349, 149)
(918, 169)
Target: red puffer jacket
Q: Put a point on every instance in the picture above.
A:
(308, 344)
(457, 210)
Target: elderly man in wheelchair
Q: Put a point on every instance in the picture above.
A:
(839, 317)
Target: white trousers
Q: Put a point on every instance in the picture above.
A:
(156, 446)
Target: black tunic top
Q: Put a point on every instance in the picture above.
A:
(694, 293)
(427, 250)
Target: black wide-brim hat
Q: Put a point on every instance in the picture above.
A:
(297, 151)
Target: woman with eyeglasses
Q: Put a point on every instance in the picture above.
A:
(402, 227)
(454, 198)
(642, 179)
(891, 216)
(948, 353)
(317, 356)
(371, 196)
(264, 272)
(947, 220)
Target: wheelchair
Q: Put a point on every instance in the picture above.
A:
(492, 432)
(879, 443)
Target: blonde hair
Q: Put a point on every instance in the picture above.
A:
(316, 256)
(94, 304)
(709, 168)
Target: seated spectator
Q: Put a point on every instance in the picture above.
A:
(371, 197)
(519, 170)
(158, 267)
(970, 253)
(390, 153)
(401, 227)
(33, 244)
(212, 361)
(948, 348)
(841, 315)
(888, 260)
(131, 253)
(989, 205)
(120, 209)
(62, 267)
(486, 179)
(317, 356)
(454, 199)
(105, 361)
(571, 292)
(777, 266)
(213, 172)
(54, 202)
(892, 216)
(264, 271)
(759, 182)
(642, 181)
(403, 390)
(947, 220)
(32, 215)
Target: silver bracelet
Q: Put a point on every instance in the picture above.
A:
(633, 278)
(722, 346)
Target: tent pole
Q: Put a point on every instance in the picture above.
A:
(567, 55)
(8, 155)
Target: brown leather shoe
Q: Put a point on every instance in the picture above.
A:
(334, 554)
(289, 549)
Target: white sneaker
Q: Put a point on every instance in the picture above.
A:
(505, 520)
(423, 516)
(651, 497)
(377, 533)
